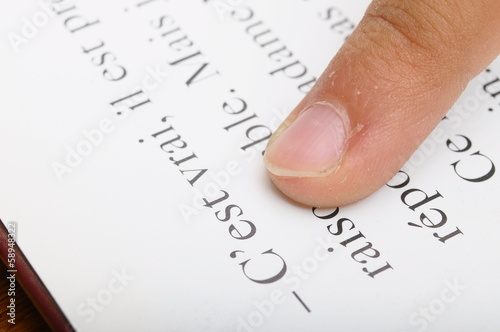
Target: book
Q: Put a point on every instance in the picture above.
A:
(132, 178)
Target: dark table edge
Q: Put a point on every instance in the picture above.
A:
(34, 287)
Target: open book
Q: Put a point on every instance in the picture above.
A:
(132, 179)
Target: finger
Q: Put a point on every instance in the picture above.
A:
(390, 84)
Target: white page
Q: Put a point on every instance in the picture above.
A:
(121, 238)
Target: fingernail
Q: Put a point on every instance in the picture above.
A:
(311, 146)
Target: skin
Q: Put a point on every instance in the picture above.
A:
(396, 76)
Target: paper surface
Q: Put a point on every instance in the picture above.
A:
(120, 118)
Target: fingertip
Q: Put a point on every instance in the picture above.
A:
(312, 145)
(383, 93)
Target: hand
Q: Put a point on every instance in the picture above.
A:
(383, 93)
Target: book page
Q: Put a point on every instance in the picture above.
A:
(131, 165)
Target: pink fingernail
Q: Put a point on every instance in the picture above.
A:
(311, 146)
